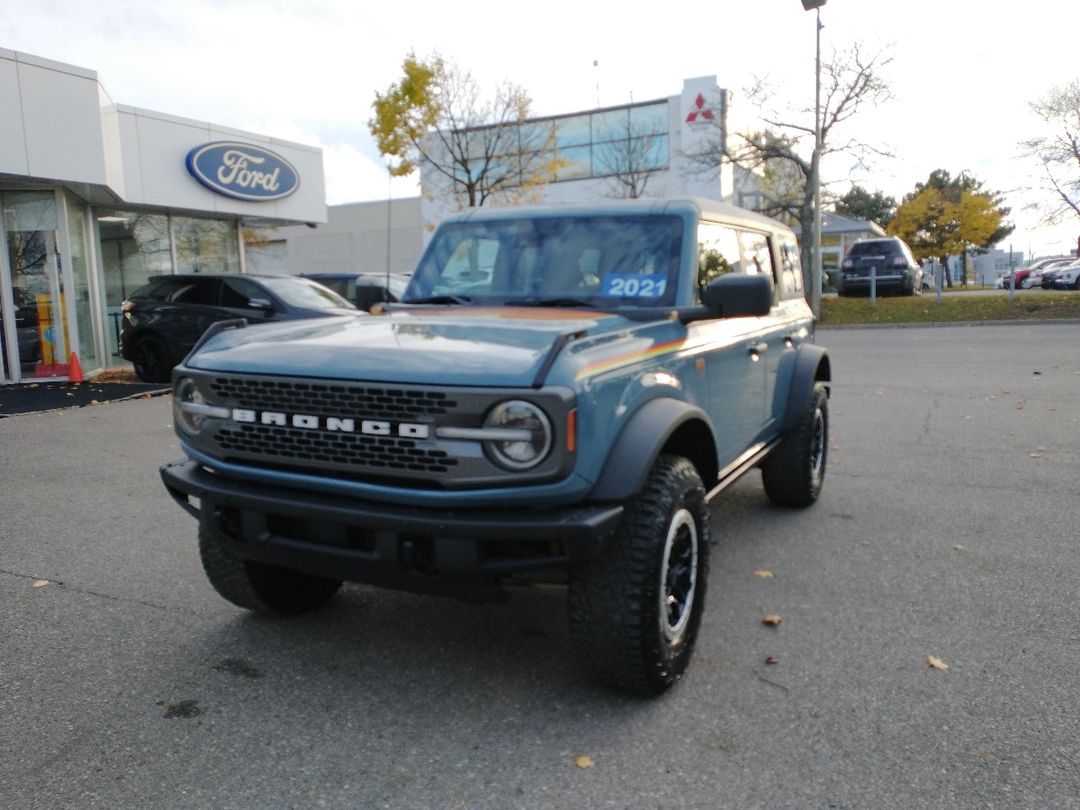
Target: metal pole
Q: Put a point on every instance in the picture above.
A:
(1012, 276)
(815, 293)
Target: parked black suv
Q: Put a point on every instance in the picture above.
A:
(886, 263)
(164, 319)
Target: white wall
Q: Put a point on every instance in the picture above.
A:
(50, 121)
(58, 123)
(155, 146)
(353, 240)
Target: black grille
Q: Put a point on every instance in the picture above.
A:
(338, 450)
(324, 399)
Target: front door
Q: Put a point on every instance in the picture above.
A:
(36, 293)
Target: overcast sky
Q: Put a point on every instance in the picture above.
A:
(962, 74)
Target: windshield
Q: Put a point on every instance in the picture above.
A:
(876, 248)
(569, 261)
(299, 292)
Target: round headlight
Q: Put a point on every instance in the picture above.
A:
(528, 438)
(188, 419)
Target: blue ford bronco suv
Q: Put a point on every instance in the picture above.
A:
(556, 397)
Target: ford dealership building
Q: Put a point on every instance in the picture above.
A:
(95, 197)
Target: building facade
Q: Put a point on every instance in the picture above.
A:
(365, 237)
(643, 149)
(96, 197)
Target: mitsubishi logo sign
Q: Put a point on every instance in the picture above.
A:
(699, 109)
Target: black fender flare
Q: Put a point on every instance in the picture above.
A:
(639, 444)
(811, 365)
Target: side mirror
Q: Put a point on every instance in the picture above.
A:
(737, 295)
(264, 304)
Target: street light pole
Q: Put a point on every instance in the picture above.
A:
(815, 164)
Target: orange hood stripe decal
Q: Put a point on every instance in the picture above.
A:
(629, 358)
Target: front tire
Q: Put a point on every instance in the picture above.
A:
(794, 473)
(259, 587)
(635, 611)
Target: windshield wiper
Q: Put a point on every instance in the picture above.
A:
(440, 299)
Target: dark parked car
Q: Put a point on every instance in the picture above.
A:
(364, 289)
(164, 319)
(886, 263)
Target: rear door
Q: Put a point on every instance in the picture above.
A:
(771, 341)
(190, 307)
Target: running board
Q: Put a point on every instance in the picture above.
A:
(740, 466)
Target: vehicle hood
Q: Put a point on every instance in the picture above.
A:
(502, 346)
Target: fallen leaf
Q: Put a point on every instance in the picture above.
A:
(936, 663)
(763, 574)
(772, 620)
(960, 547)
(772, 659)
(583, 761)
(94, 402)
(41, 583)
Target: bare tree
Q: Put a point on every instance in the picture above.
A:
(473, 145)
(631, 162)
(1058, 152)
(780, 153)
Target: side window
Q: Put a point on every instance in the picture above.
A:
(757, 258)
(718, 253)
(238, 292)
(791, 285)
(194, 291)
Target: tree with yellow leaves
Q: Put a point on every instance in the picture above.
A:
(950, 216)
(473, 147)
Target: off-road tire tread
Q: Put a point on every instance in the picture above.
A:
(786, 472)
(613, 624)
(261, 588)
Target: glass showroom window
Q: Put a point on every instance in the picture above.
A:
(132, 247)
(206, 245)
(80, 270)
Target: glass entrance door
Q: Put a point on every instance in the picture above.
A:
(37, 288)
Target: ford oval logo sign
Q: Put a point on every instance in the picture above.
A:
(242, 171)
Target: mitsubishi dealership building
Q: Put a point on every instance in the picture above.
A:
(95, 197)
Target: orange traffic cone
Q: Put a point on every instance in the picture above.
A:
(74, 369)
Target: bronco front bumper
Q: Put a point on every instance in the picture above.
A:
(454, 551)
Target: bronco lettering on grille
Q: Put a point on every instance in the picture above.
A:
(333, 424)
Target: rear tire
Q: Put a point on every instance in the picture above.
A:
(794, 473)
(635, 611)
(152, 360)
(259, 587)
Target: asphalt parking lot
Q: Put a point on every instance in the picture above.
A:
(947, 531)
